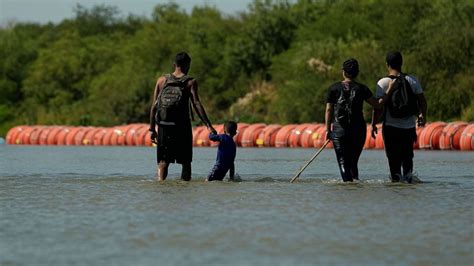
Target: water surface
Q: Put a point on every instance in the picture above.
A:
(101, 206)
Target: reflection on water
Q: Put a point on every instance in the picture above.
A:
(101, 206)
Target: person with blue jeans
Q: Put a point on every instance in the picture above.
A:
(226, 152)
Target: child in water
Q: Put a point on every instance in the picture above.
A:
(225, 153)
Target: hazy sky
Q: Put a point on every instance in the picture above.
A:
(44, 11)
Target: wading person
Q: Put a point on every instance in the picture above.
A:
(345, 123)
(225, 153)
(171, 112)
(404, 107)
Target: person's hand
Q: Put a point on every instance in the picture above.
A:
(328, 134)
(154, 136)
(421, 120)
(374, 131)
(212, 130)
(391, 84)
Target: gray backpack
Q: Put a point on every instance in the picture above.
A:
(172, 103)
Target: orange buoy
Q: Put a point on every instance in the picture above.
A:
(451, 135)
(142, 133)
(241, 127)
(12, 134)
(81, 134)
(35, 135)
(416, 145)
(71, 136)
(24, 136)
(107, 136)
(117, 133)
(369, 141)
(379, 141)
(267, 137)
(220, 130)
(99, 136)
(88, 138)
(130, 135)
(466, 141)
(52, 136)
(295, 135)
(283, 136)
(429, 137)
(196, 131)
(61, 136)
(250, 135)
(43, 137)
(307, 136)
(319, 138)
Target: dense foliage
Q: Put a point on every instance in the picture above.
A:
(272, 63)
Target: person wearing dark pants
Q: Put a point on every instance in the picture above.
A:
(399, 150)
(345, 123)
(403, 110)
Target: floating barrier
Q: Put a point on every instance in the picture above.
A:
(434, 136)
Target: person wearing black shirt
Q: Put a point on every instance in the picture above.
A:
(345, 123)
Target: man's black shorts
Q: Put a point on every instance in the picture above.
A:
(175, 144)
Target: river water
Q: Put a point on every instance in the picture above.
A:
(101, 206)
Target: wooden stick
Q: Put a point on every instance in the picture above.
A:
(310, 161)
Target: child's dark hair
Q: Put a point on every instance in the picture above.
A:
(182, 59)
(394, 60)
(230, 127)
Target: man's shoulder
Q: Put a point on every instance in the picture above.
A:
(335, 86)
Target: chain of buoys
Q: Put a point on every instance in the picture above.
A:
(434, 136)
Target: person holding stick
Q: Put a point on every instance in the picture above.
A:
(345, 123)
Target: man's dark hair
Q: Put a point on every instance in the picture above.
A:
(230, 127)
(182, 59)
(394, 60)
(351, 68)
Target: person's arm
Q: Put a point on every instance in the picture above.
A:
(232, 172)
(423, 108)
(196, 102)
(376, 114)
(214, 137)
(328, 119)
(378, 103)
(153, 110)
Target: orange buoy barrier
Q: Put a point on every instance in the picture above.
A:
(220, 130)
(251, 133)
(295, 135)
(267, 137)
(466, 141)
(308, 135)
(241, 127)
(437, 135)
(451, 135)
(283, 135)
(429, 137)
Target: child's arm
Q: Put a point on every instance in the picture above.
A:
(232, 172)
(214, 137)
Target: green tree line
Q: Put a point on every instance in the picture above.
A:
(272, 63)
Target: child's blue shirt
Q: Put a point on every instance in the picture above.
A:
(226, 150)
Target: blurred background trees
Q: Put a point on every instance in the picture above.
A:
(272, 63)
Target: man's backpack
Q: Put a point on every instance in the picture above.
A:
(403, 102)
(172, 103)
(343, 106)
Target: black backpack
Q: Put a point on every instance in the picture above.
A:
(402, 103)
(343, 106)
(172, 103)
